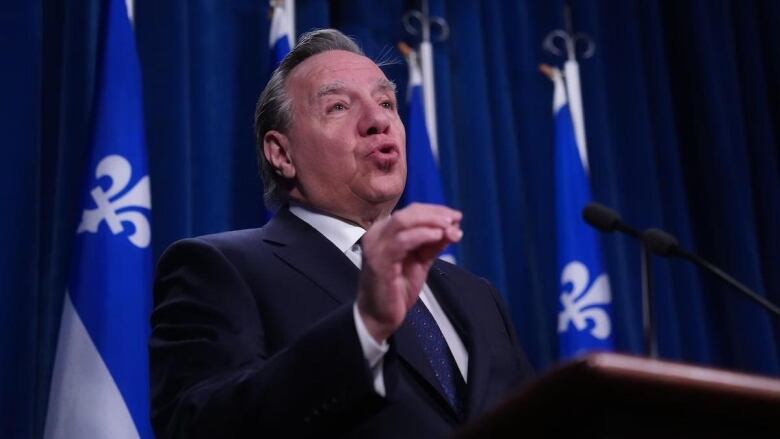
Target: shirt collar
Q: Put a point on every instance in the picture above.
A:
(341, 233)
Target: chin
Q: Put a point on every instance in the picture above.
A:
(380, 188)
(388, 188)
(382, 198)
(385, 197)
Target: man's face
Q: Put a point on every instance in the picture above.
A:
(346, 141)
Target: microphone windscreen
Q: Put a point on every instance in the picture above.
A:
(660, 242)
(601, 217)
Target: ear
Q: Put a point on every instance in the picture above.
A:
(276, 148)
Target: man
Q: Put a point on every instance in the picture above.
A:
(335, 319)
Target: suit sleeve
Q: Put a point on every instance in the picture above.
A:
(211, 369)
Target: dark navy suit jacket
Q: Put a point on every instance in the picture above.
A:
(253, 335)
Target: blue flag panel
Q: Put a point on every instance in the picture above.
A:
(105, 319)
(280, 38)
(423, 183)
(584, 319)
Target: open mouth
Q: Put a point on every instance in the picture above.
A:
(387, 149)
(385, 156)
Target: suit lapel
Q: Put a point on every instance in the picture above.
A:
(457, 307)
(409, 349)
(316, 258)
(311, 254)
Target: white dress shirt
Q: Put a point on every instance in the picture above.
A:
(345, 237)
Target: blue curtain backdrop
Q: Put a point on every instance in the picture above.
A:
(682, 112)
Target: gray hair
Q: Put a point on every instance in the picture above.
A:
(274, 107)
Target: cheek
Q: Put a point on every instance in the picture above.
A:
(401, 130)
(402, 140)
(333, 159)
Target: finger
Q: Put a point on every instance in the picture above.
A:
(422, 210)
(453, 233)
(409, 240)
(423, 215)
(428, 252)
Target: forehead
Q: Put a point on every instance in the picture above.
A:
(334, 68)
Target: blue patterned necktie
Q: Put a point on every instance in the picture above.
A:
(439, 356)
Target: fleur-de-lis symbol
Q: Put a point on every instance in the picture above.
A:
(113, 208)
(581, 305)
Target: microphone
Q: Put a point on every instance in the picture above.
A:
(661, 243)
(666, 245)
(607, 220)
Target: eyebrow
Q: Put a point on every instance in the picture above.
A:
(386, 85)
(330, 88)
(336, 87)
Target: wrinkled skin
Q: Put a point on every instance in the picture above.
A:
(346, 156)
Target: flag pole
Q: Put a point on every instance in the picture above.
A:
(290, 7)
(425, 23)
(429, 92)
(571, 71)
(573, 91)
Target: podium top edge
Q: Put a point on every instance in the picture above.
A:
(640, 368)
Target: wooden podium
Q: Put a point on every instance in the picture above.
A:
(619, 396)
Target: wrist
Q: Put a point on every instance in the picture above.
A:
(378, 330)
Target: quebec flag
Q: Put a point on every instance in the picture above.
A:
(100, 382)
(584, 318)
(423, 184)
(281, 35)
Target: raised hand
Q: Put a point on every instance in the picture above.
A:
(397, 253)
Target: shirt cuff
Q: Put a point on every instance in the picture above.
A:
(373, 352)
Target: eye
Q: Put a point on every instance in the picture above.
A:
(389, 105)
(338, 106)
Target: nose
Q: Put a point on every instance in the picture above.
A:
(375, 120)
